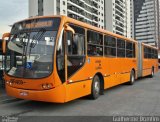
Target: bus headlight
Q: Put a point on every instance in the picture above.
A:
(47, 86)
(44, 86)
(9, 83)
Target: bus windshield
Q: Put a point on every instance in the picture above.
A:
(31, 47)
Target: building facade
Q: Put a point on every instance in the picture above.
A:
(145, 21)
(117, 17)
(89, 11)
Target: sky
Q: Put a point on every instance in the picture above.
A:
(12, 11)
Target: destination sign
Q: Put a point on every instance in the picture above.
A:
(38, 24)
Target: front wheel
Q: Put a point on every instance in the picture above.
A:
(95, 90)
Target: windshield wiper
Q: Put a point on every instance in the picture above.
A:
(36, 38)
(25, 44)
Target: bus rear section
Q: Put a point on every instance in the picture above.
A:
(147, 60)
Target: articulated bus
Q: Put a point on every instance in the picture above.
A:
(59, 59)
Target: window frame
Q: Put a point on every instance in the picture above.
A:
(133, 49)
(150, 53)
(77, 26)
(121, 48)
(100, 45)
(111, 47)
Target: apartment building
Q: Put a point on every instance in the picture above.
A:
(145, 21)
(117, 17)
(89, 11)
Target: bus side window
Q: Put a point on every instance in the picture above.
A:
(75, 46)
(78, 41)
(134, 50)
(110, 46)
(150, 53)
(130, 50)
(95, 43)
(156, 54)
(70, 45)
(145, 52)
(120, 48)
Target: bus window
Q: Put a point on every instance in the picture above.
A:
(155, 54)
(134, 49)
(110, 46)
(75, 50)
(145, 52)
(130, 50)
(95, 44)
(150, 53)
(120, 48)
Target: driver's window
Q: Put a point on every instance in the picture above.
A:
(78, 41)
(75, 44)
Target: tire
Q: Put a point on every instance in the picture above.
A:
(152, 73)
(95, 89)
(132, 78)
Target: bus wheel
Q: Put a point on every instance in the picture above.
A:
(152, 73)
(95, 90)
(132, 78)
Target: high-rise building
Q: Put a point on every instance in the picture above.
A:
(145, 21)
(89, 11)
(117, 17)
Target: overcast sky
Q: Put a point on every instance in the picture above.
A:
(10, 12)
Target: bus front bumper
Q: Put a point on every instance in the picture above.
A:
(56, 95)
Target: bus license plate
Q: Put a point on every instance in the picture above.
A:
(23, 93)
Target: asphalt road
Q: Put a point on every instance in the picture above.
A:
(143, 98)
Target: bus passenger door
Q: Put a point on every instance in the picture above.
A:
(70, 54)
(75, 53)
(74, 61)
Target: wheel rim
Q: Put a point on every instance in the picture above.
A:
(97, 87)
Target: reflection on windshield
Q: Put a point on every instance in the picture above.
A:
(31, 54)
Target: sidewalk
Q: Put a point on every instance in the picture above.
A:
(2, 87)
(3, 95)
(2, 91)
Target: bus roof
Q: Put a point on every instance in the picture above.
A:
(66, 19)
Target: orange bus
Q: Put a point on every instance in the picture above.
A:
(59, 59)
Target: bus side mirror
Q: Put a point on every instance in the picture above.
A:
(68, 28)
(4, 42)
